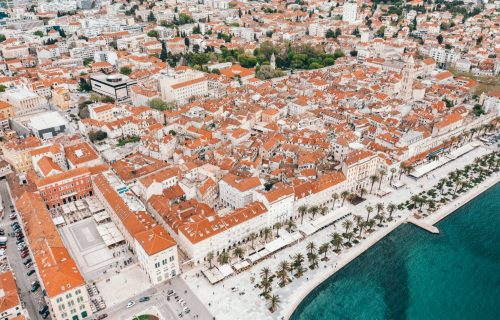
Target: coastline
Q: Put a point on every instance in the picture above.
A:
(354, 252)
(451, 207)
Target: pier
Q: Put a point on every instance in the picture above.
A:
(427, 227)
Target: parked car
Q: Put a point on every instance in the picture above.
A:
(29, 273)
(186, 310)
(43, 308)
(29, 265)
(143, 299)
(2, 232)
(13, 216)
(24, 255)
(27, 261)
(46, 314)
(170, 292)
(130, 304)
(34, 286)
(102, 316)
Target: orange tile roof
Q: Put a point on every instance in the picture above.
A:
(140, 225)
(70, 174)
(80, 153)
(240, 183)
(9, 299)
(58, 271)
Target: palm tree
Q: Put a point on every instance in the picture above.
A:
(369, 209)
(362, 192)
(349, 236)
(223, 258)
(277, 226)
(252, 238)
(380, 217)
(361, 226)
(347, 224)
(266, 233)
(282, 272)
(313, 211)
(313, 260)
(335, 197)
(373, 179)
(323, 249)
(238, 253)
(336, 241)
(265, 273)
(344, 195)
(391, 207)
(298, 259)
(381, 173)
(311, 247)
(274, 302)
(290, 225)
(323, 210)
(393, 171)
(210, 258)
(357, 219)
(370, 223)
(302, 212)
(379, 206)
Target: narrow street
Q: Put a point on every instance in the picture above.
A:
(31, 301)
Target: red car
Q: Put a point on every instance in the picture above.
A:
(25, 254)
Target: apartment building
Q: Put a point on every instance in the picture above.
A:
(357, 167)
(62, 283)
(237, 192)
(23, 100)
(209, 232)
(155, 248)
(17, 152)
(181, 86)
(10, 303)
(65, 187)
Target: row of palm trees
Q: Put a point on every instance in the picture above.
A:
(456, 181)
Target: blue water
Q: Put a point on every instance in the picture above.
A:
(412, 274)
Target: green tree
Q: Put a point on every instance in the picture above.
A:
(38, 33)
(151, 17)
(2, 88)
(159, 104)
(439, 38)
(2, 38)
(125, 70)
(97, 135)
(153, 34)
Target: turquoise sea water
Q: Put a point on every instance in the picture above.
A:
(412, 274)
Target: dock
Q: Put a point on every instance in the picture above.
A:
(423, 225)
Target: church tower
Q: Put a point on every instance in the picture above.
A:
(408, 76)
(273, 62)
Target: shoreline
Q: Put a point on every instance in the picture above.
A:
(356, 251)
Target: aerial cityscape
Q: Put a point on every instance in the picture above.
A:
(234, 160)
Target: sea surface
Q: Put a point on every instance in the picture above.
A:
(412, 274)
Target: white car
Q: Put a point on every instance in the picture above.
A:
(130, 304)
(2, 253)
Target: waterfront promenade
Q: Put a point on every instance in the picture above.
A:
(244, 301)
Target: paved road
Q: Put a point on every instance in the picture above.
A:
(31, 301)
(168, 307)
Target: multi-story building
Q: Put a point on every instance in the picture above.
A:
(182, 86)
(10, 303)
(156, 249)
(23, 100)
(17, 152)
(237, 192)
(65, 187)
(357, 167)
(116, 86)
(350, 11)
(210, 232)
(62, 283)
